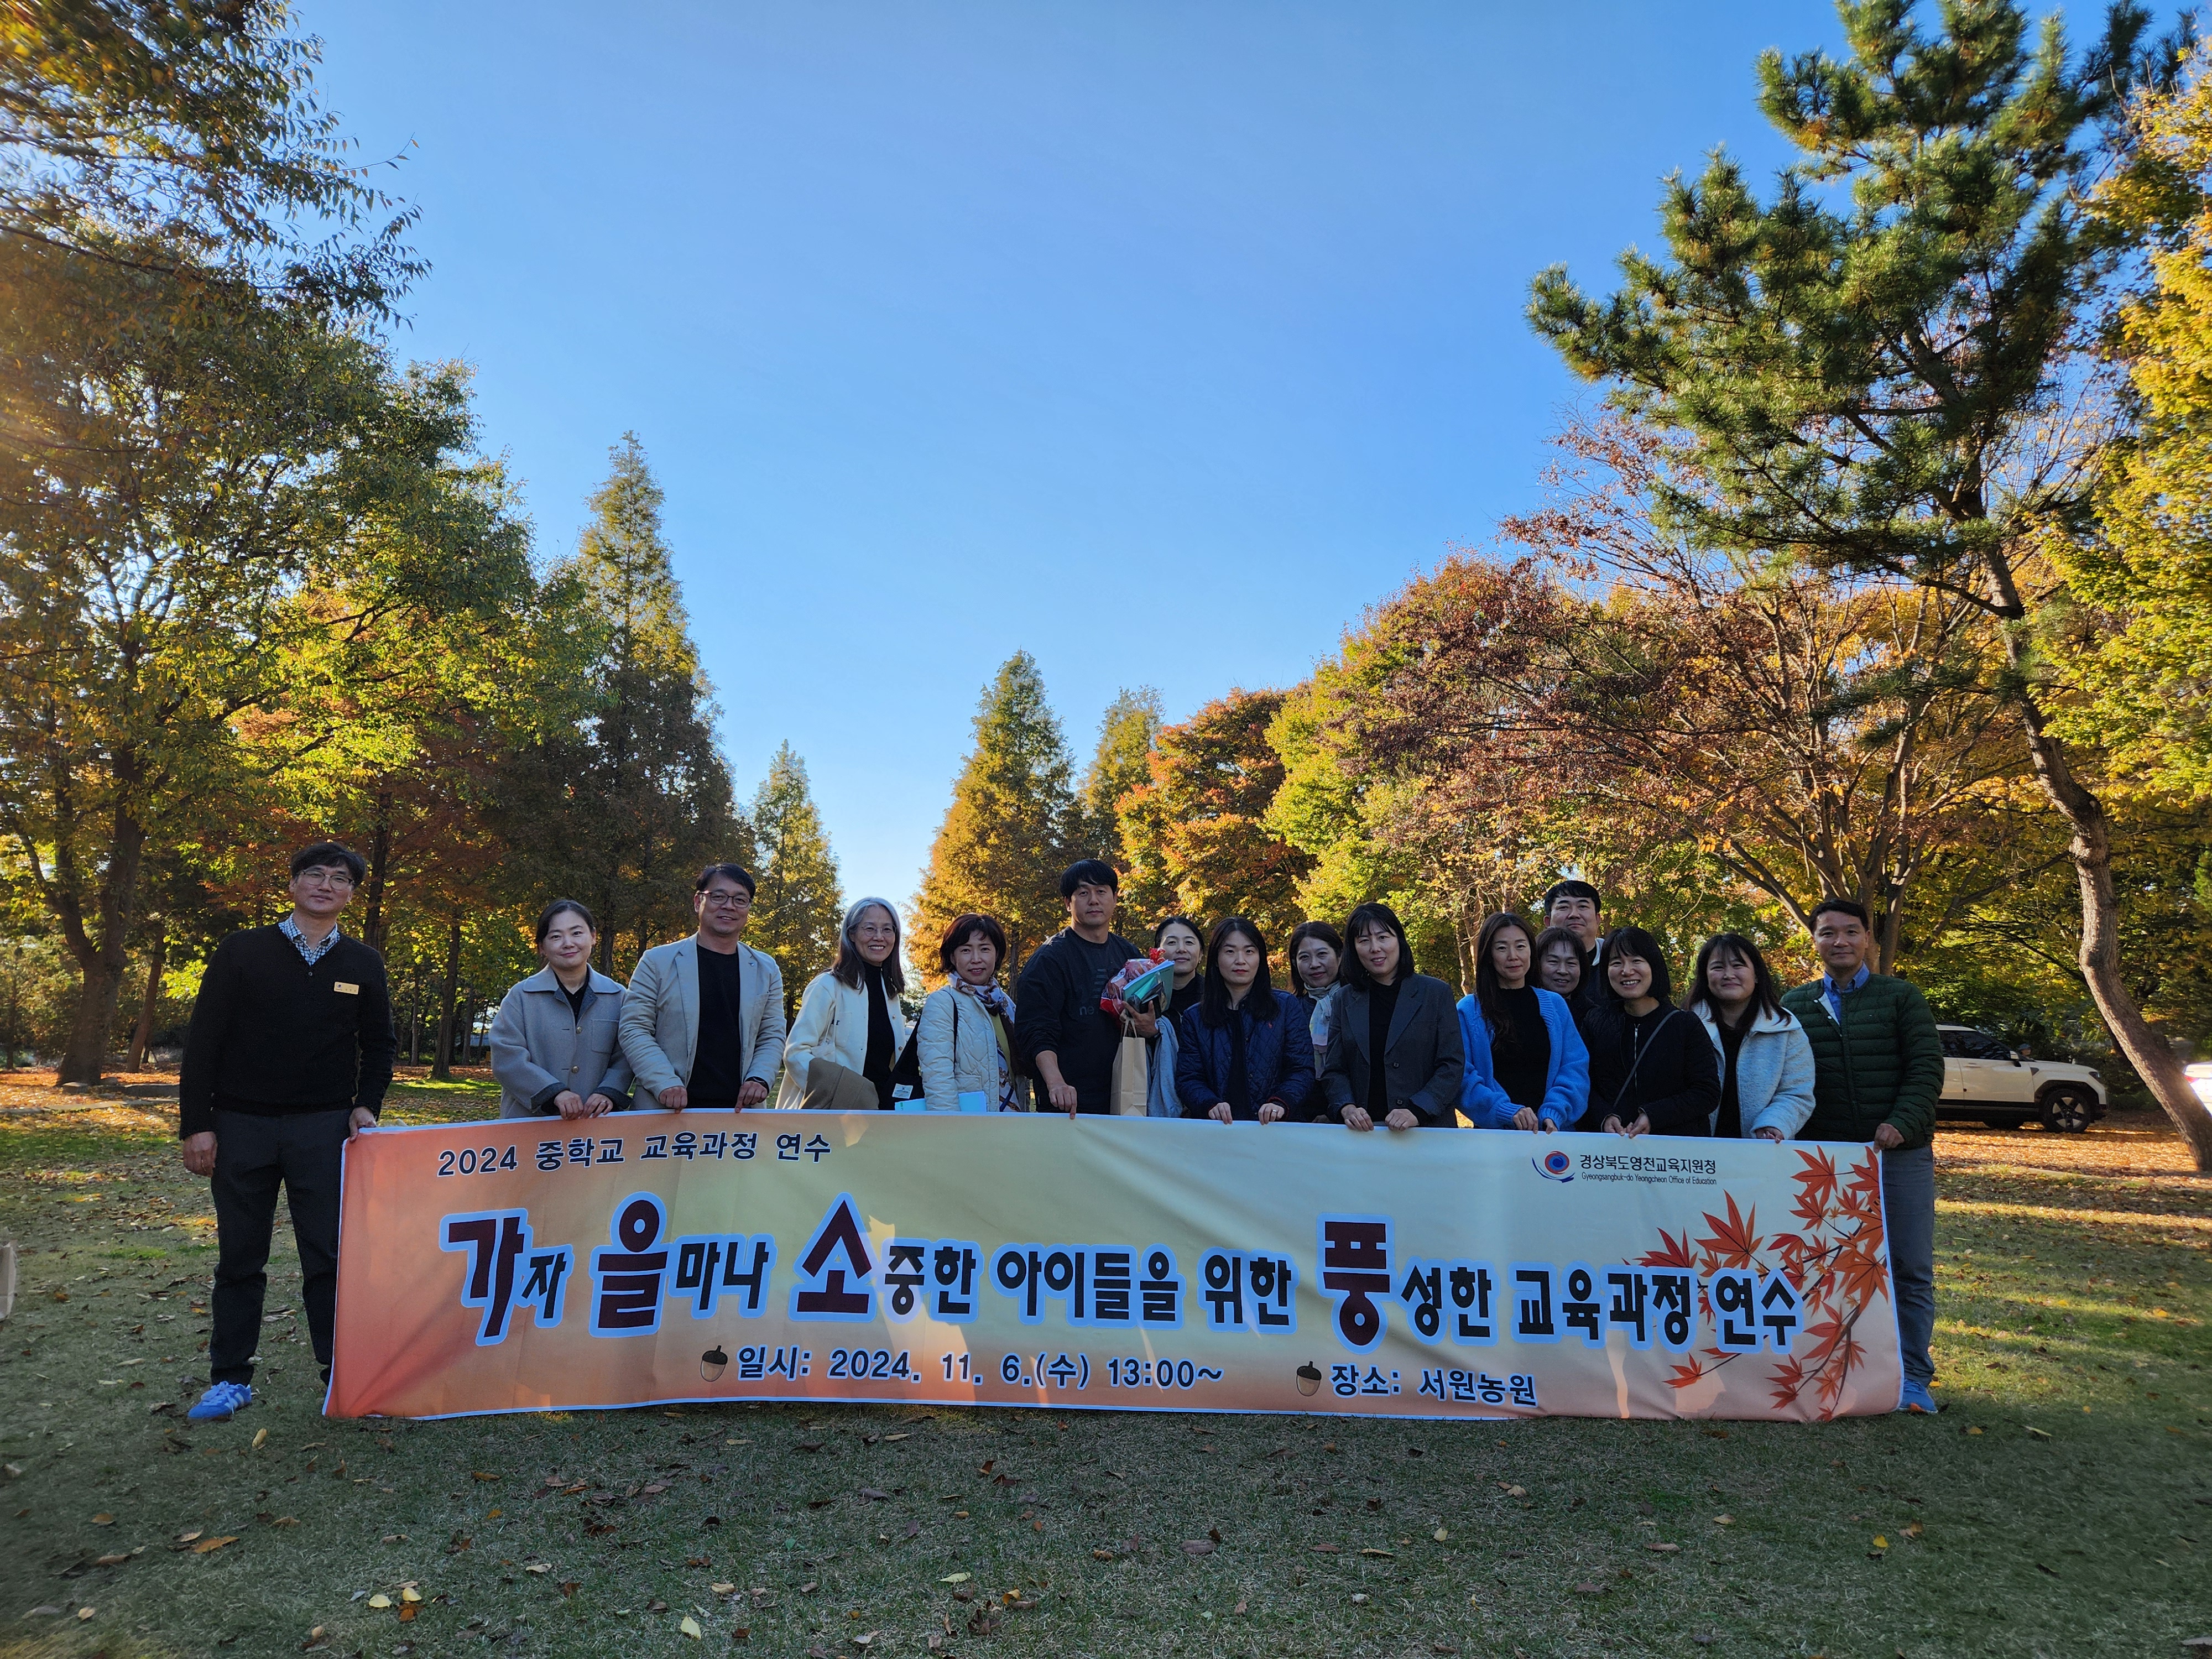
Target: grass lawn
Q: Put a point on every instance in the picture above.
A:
(2062, 1505)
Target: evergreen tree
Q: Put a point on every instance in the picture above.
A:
(799, 908)
(1008, 834)
(1879, 372)
(1122, 763)
(639, 791)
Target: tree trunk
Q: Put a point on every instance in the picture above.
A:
(157, 959)
(373, 924)
(2091, 850)
(101, 962)
(441, 1065)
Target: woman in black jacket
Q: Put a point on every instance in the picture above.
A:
(1652, 1066)
(1243, 1054)
(1393, 1044)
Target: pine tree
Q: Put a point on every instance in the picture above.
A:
(638, 797)
(1009, 832)
(1122, 763)
(799, 908)
(1876, 370)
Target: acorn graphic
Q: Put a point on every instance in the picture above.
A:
(712, 1362)
(1309, 1378)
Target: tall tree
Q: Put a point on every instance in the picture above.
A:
(1888, 377)
(1121, 762)
(1007, 835)
(799, 909)
(1197, 831)
(639, 788)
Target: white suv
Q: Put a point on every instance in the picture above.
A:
(1985, 1080)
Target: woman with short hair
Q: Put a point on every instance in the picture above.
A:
(851, 1016)
(1559, 964)
(557, 1040)
(1394, 1051)
(1765, 1056)
(1652, 1071)
(1244, 1055)
(964, 1039)
(1525, 1064)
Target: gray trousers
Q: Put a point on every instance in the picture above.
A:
(1908, 1199)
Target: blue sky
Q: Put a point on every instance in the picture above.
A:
(1157, 340)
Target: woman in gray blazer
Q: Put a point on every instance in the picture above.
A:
(1394, 1051)
(555, 1044)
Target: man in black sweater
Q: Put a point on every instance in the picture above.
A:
(288, 1058)
(1058, 1022)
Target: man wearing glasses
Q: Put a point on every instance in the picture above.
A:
(288, 1058)
(702, 1020)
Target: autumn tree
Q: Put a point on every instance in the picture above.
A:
(799, 909)
(1881, 372)
(621, 807)
(1012, 823)
(1196, 831)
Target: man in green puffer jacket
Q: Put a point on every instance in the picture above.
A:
(1877, 1074)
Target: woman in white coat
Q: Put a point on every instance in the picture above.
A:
(964, 1041)
(850, 1016)
(1766, 1058)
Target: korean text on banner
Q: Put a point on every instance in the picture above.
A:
(1018, 1260)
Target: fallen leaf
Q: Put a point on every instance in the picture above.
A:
(2053, 1572)
(1102, 1555)
(111, 1561)
(84, 1613)
(103, 1519)
(539, 1566)
(1387, 1555)
(406, 1613)
(2036, 1433)
(690, 1626)
(286, 1521)
(1197, 1546)
(1359, 1601)
(1716, 1434)
(1913, 1530)
(1514, 1491)
(260, 1439)
(1440, 1535)
(879, 1497)
(741, 1632)
(570, 1586)
(409, 1594)
(1724, 1520)
(1240, 1607)
(1881, 1542)
(1663, 1549)
(1588, 1589)
(380, 1601)
(207, 1544)
(895, 1437)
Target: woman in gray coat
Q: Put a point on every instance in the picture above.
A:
(1395, 1049)
(555, 1045)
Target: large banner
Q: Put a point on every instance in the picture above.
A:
(1115, 1262)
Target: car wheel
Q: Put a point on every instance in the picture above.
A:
(2069, 1111)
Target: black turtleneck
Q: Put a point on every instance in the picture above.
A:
(877, 1067)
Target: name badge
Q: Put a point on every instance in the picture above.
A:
(344, 989)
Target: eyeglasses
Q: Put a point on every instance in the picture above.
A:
(729, 901)
(324, 878)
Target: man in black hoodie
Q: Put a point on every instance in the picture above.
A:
(288, 1058)
(1058, 1022)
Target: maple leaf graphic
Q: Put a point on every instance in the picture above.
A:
(1671, 1252)
(1818, 1177)
(1685, 1373)
(1734, 1242)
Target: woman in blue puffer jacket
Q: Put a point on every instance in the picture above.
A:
(1525, 1064)
(1244, 1053)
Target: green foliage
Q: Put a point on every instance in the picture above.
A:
(621, 806)
(798, 911)
(1012, 826)
(1122, 763)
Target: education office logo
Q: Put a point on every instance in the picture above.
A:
(1555, 1166)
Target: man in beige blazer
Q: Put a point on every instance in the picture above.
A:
(702, 1020)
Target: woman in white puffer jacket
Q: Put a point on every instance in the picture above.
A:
(1766, 1058)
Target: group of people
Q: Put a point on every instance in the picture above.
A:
(1569, 1027)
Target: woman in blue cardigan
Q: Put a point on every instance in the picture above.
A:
(1525, 1064)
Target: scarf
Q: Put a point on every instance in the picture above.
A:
(996, 1002)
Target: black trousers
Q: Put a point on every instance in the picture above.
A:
(253, 1155)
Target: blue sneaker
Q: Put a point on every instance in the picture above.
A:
(1914, 1398)
(221, 1402)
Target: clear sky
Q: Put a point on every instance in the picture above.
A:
(1159, 340)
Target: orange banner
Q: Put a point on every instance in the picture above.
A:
(1112, 1262)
